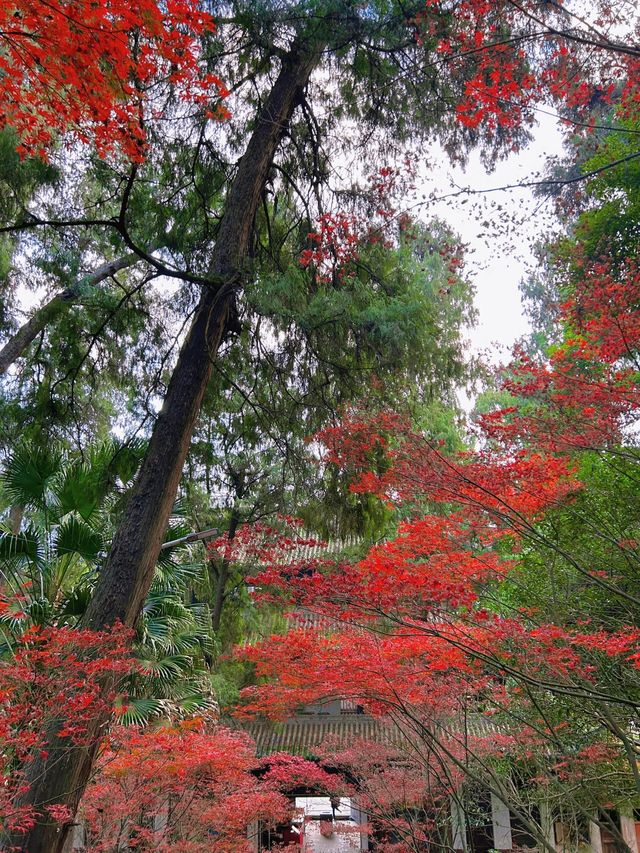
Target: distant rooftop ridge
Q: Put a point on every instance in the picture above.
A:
(308, 731)
(311, 547)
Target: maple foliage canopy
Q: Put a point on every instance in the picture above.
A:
(95, 68)
(59, 673)
(422, 630)
(202, 781)
(511, 56)
(199, 779)
(99, 69)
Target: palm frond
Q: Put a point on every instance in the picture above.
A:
(75, 536)
(195, 703)
(155, 632)
(180, 508)
(169, 604)
(140, 710)
(28, 475)
(14, 617)
(166, 668)
(175, 530)
(119, 460)
(172, 576)
(25, 547)
(40, 611)
(80, 489)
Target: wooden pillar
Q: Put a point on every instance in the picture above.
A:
(628, 829)
(562, 834)
(547, 823)
(160, 821)
(501, 820)
(75, 841)
(253, 834)
(361, 818)
(595, 837)
(125, 833)
(458, 825)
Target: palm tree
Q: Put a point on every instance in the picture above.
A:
(57, 513)
(174, 643)
(54, 522)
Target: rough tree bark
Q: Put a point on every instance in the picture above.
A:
(61, 776)
(47, 313)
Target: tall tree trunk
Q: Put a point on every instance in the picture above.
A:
(60, 776)
(47, 313)
(16, 514)
(220, 585)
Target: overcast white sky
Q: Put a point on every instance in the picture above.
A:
(498, 255)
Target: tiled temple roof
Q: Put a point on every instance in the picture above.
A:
(303, 553)
(303, 734)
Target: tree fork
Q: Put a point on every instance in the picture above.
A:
(61, 776)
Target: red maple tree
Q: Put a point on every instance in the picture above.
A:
(94, 69)
(418, 630)
(189, 787)
(55, 673)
